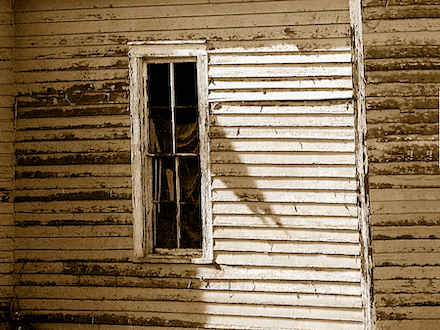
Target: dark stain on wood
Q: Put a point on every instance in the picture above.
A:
(107, 318)
(74, 111)
(421, 63)
(382, 3)
(402, 103)
(75, 159)
(405, 153)
(69, 99)
(89, 195)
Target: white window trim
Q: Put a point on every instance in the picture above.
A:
(142, 204)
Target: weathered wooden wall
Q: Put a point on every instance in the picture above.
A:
(402, 39)
(6, 160)
(283, 164)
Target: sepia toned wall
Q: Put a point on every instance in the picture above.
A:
(6, 160)
(401, 45)
(286, 235)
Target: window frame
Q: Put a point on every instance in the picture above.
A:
(140, 54)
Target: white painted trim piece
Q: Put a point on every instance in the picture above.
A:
(280, 58)
(136, 160)
(205, 163)
(166, 42)
(279, 95)
(168, 50)
(141, 54)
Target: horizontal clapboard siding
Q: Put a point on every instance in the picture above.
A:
(401, 49)
(6, 162)
(297, 116)
(286, 239)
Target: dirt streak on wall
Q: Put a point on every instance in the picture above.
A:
(401, 41)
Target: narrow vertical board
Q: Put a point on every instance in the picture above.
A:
(6, 163)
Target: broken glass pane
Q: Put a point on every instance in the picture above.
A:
(185, 82)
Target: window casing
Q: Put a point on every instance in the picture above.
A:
(167, 160)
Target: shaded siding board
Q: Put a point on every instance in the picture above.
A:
(192, 320)
(189, 271)
(176, 10)
(85, 52)
(187, 295)
(262, 286)
(159, 24)
(160, 5)
(270, 33)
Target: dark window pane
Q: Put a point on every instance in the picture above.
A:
(191, 228)
(160, 131)
(164, 179)
(166, 226)
(189, 172)
(187, 130)
(158, 85)
(185, 83)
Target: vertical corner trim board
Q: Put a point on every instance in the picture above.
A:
(6, 161)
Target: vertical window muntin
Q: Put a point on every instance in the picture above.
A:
(176, 220)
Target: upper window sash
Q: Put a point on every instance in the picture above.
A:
(153, 52)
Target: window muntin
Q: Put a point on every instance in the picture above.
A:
(188, 143)
(174, 150)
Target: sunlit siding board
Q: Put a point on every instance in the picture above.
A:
(401, 48)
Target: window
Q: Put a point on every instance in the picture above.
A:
(170, 151)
